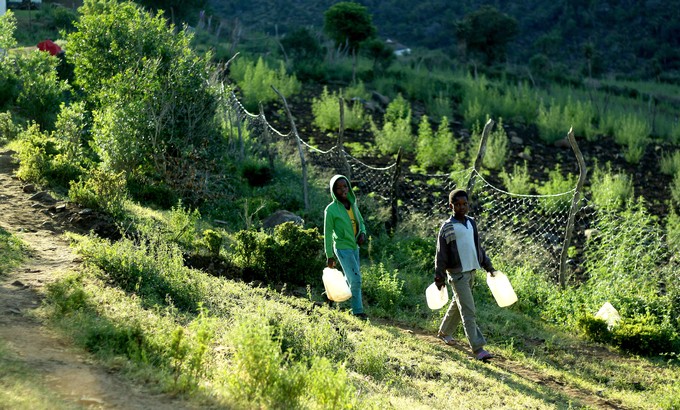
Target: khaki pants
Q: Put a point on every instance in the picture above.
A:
(462, 309)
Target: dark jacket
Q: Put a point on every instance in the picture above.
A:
(447, 258)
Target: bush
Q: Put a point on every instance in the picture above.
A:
(670, 163)
(255, 79)
(435, 150)
(610, 191)
(326, 110)
(396, 132)
(291, 255)
(382, 289)
(643, 335)
(632, 132)
(556, 190)
(100, 190)
(518, 181)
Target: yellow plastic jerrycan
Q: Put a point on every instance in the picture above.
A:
(436, 298)
(335, 282)
(501, 289)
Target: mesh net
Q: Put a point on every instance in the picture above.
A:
(517, 229)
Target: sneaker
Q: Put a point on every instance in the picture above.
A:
(361, 316)
(446, 339)
(483, 355)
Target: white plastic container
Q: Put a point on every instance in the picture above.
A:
(436, 298)
(501, 289)
(335, 282)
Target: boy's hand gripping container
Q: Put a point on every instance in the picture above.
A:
(501, 289)
(335, 282)
(436, 298)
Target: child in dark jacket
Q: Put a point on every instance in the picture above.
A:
(344, 232)
(459, 254)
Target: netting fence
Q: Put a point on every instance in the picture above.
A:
(521, 228)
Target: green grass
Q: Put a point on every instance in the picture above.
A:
(12, 251)
(21, 386)
(298, 354)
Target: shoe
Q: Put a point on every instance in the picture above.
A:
(361, 316)
(483, 355)
(446, 339)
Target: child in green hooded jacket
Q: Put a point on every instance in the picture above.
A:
(344, 232)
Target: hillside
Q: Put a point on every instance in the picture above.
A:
(631, 39)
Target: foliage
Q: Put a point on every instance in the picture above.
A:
(436, 150)
(632, 132)
(8, 129)
(673, 231)
(70, 131)
(12, 251)
(670, 163)
(326, 110)
(348, 24)
(486, 33)
(100, 190)
(610, 191)
(213, 240)
(291, 255)
(185, 10)
(156, 105)
(8, 24)
(518, 181)
(555, 190)
(36, 149)
(41, 92)
(382, 288)
(256, 79)
(396, 131)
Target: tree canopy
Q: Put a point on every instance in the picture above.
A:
(349, 23)
(486, 33)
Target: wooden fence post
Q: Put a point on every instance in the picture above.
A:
(480, 154)
(299, 146)
(394, 194)
(575, 203)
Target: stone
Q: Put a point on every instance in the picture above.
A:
(281, 216)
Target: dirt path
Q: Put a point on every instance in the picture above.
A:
(65, 370)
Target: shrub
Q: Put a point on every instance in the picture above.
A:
(35, 152)
(382, 288)
(396, 132)
(41, 91)
(670, 163)
(255, 80)
(326, 110)
(557, 190)
(291, 255)
(610, 191)
(100, 190)
(675, 189)
(435, 150)
(643, 335)
(8, 130)
(594, 329)
(518, 181)
(632, 132)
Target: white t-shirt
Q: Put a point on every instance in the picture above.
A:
(465, 242)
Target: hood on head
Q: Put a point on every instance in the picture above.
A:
(350, 194)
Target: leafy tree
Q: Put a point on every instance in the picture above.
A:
(381, 54)
(155, 107)
(486, 33)
(349, 24)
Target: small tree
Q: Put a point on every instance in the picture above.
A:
(349, 24)
(486, 33)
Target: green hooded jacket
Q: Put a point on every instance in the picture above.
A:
(337, 227)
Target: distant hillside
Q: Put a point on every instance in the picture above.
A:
(640, 39)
